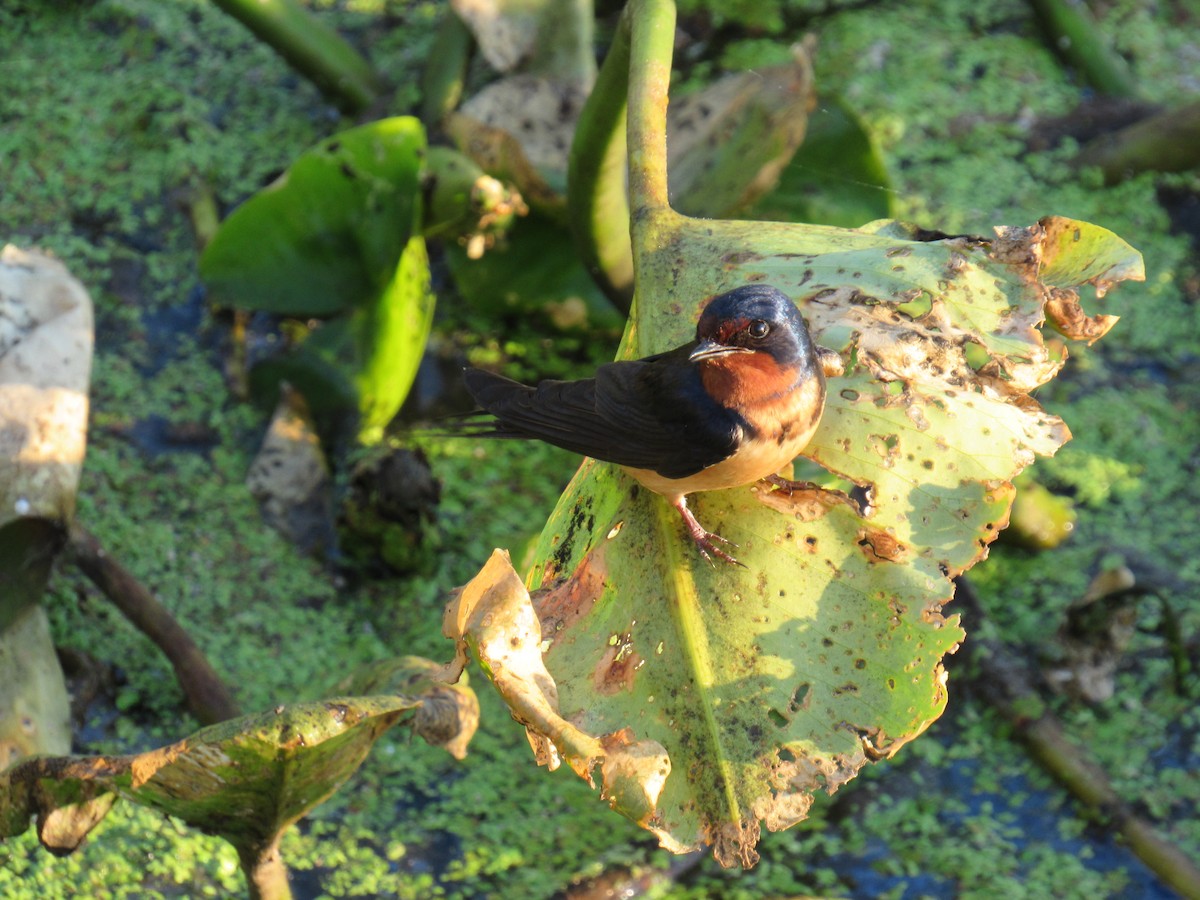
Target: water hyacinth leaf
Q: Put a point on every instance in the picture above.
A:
(247, 779)
(837, 176)
(765, 684)
(755, 687)
(326, 236)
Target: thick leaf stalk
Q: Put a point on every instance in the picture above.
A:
(597, 203)
(312, 48)
(1074, 34)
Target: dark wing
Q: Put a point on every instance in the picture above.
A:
(646, 414)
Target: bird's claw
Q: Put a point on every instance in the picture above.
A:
(704, 543)
(704, 538)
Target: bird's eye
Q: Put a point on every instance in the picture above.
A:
(758, 329)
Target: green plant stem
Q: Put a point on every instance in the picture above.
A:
(1073, 33)
(1001, 680)
(207, 696)
(651, 46)
(204, 212)
(312, 48)
(654, 226)
(266, 875)
(597, 203)
(1166, 142)
(446, 69)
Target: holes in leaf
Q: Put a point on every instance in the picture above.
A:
(800, 697)
(918, 306)
(977, 357)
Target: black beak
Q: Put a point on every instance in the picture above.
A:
(711, 350)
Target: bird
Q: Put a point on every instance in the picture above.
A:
(730, 408)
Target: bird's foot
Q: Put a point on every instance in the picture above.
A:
(704, 543)
(704, 539)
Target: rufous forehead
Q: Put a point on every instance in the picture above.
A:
(727, 328)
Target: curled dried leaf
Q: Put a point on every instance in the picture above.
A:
(493, 617)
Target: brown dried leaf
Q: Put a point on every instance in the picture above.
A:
(45, 364)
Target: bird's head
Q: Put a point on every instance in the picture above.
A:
(754, 318)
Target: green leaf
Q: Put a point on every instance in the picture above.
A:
(837, 177)
(391, 336)
(326, 236)
(758, 686)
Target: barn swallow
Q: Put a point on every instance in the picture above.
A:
(732, 407)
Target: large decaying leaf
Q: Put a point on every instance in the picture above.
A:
(753, 688)
(247, 779)
(45, 366)
(365, 361)
(712, 699)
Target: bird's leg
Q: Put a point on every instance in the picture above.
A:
(704, 539)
